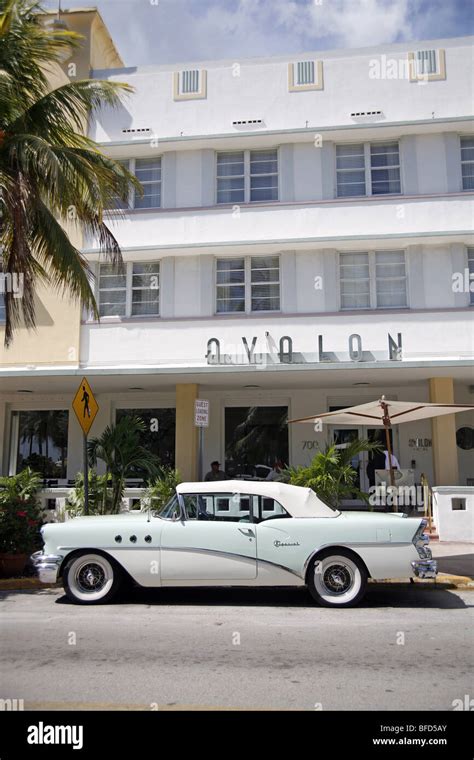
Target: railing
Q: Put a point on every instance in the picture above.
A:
(53, 501)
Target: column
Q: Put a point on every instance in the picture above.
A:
(445, 455)
(186, 432)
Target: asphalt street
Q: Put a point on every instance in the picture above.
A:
(405, 648)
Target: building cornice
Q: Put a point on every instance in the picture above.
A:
(310, 130)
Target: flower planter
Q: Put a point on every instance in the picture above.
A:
(12, 564)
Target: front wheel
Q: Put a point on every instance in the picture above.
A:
(91, 579)
(337, 579)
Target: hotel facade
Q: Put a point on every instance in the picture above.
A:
(304, 243)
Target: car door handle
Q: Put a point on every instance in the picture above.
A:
(247, 532)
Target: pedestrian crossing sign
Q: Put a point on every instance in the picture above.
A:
(85, 406)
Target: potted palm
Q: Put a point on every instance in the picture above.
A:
(331, 473)
(20, 520)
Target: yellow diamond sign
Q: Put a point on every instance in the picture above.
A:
(85, 406)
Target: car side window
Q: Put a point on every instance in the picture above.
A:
(266, 508)
(223, 507)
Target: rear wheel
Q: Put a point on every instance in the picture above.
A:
(337, 579)
(91, 578)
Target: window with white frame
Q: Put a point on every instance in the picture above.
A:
(373, 280)
(247, 284)
(247, 176)
(470, 264)
(368, 169)
(129, 290)
(467, 162)
(148, 173)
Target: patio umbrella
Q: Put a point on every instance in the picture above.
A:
(383, 413)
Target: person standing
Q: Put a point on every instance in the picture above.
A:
(215, 473)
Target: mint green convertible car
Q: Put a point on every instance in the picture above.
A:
(235, 533)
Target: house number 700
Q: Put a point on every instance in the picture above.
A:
(309, 444)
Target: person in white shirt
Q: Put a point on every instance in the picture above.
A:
(395, 464)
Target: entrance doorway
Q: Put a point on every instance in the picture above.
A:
(343, 436)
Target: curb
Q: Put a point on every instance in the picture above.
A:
(443, 580)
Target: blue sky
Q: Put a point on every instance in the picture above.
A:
(167, 31)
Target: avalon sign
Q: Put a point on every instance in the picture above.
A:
(283, 353)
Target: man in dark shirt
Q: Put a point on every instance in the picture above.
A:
(215, 473)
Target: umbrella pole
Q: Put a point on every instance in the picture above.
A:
(387, 425)
(389, 450)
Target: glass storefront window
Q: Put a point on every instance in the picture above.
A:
(255, 437)
(41, 441)
(159, 434)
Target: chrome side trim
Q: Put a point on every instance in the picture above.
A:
(352, 544)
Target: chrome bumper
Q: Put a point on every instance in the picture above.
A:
(46, 566)
(425, 568)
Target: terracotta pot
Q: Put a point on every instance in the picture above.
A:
(12, 564)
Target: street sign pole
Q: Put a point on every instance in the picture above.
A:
(201, 420)
(85, 407)
(86, 477)
(200, 457)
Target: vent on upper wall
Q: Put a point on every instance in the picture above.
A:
(244, 122)
(363, 114)
(141, 130)
(305, 75)
(427, 65)
(190, 84)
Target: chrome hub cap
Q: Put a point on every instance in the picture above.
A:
(337, 579)
(91, 577)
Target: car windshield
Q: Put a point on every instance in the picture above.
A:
(166, 511)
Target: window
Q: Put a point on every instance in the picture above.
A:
(255, 438)
(248, 284)
(350, 170)
(228, 507)
(368, 169)
(470, 264)
(371, 280)
(148, 172)
(247, 176)
(129, 290)
(112, 290)
(39, 441)
(159, 434)
(145, 289)
(467, 162)
(305, 75)
(190, 84)
(390, 279)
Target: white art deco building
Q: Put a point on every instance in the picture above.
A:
(304, 243)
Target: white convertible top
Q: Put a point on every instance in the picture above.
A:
(298, 502)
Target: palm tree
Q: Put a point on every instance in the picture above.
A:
(119, 447)
(51, 174)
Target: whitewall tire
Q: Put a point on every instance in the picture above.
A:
(337, 579)
(91, 578)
